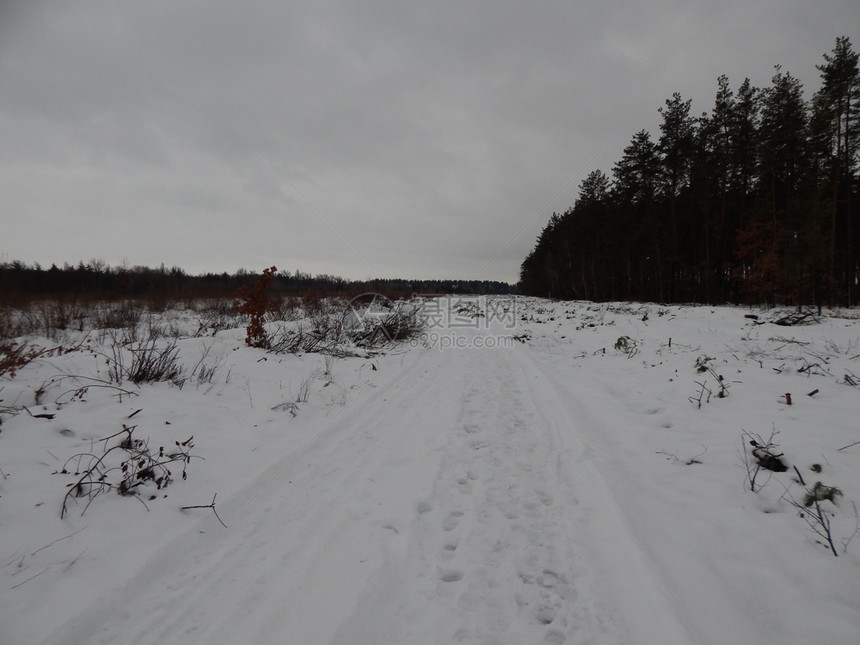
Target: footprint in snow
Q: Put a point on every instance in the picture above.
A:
(451, 522)
(554, 637)
(544, 497)
(549, 579)
(545, 614)
(464, 484)
(450, 575)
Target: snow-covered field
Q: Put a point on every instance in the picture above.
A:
(529, 472)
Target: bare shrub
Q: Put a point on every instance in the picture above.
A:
(11, 322)
(814, 511)
(146, 361)
(627, 345)
(206, 371)
(127, 467)
(389, 323)
(288, 308)
(304, 390)
(216, 315)
(761, 454)
(339, 329)
(14, 356)
(120, 315)
(49, 317)
(317, 337)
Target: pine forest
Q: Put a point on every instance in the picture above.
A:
(755, 201)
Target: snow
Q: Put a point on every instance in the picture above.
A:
(523, 478)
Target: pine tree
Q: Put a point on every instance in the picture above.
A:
(836, 135)
(784, 153)
(594, 189)
(675, 147)
(636, 178)
(589, 222)
(744, 139)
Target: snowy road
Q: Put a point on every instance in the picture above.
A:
(454, 503)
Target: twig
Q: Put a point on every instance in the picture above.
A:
(39, 416)
(76, 392)
(695, 459)
(847, 541)
(799, 476)
(764, 452)
(30, 578)
(75, 559)
(816, 518)
(57, 540)
(702, 390)
(848, 446)
(724, 389)
(212, 506)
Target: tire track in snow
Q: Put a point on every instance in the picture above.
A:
(518, 578)
(297, 559)
(633, 585)
(502, 547)
(440, 508)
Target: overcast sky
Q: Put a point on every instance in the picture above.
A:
(368, 138)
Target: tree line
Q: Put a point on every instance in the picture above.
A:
(753, 202)
(20, 282)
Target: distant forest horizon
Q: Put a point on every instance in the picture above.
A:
(96, 279)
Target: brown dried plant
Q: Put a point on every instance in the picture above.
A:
(255, 303)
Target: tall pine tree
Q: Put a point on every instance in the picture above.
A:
(836, 136)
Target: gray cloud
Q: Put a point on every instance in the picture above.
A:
(362, 139)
